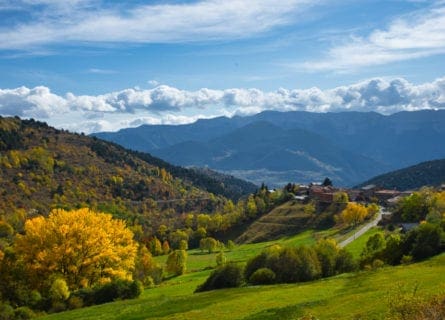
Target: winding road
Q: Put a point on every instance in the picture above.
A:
(363, 229)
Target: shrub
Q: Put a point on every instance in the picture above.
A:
(6, 231)
(262, 276)
(227, 276)
(59, 290)
(6, 311)
(221, 258)
(75, 302)
(345, 262)
(405, 305)
(254, 264)
(117, 289)
(23, 313)
(427, 241)
(406, 259)
(377, 264)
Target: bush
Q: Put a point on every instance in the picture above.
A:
(427, 241)
(262, 276)
(75, 302)
(377, 264)
(345, 262)
(227, 276)
(117, 289)
(6, 311)
(404, 304)
(406, 259)
(59, 290)
(24, 313)
(254, 264)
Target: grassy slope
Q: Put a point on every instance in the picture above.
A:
(361, 295)
(356, 247)
(358, 295)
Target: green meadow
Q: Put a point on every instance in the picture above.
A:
(360, 295)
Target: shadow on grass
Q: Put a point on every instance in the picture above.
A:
(284, 313)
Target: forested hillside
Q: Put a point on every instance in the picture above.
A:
(43, 168)
(429, 173)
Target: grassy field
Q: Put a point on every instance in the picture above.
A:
(361, 295)
(198, 261)
(356, 247)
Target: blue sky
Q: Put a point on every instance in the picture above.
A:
(110, 65)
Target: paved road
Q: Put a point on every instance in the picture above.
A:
(363, 229)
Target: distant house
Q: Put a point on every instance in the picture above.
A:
(384, 195)
(322, 194)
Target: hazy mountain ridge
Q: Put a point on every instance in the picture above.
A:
(356, 146)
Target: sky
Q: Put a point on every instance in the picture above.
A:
(103, 65)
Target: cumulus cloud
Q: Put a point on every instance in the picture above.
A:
(169, 105)
(421, 34)
(91, 21)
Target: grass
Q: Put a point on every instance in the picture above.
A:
(356, 246)
(198, 261)
(361, 295)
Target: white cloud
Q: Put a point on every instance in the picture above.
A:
(421, 34)
(88, 21)
(169, 105)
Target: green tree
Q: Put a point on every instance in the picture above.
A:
(177, 262)
(155, 246)
(209, 244)
(176, 237)
(251, 208)
(183, 245)
(327, 252)
(221, 258)
(427, 241)
(415, 207)
(373, 249)
(230, 245)
(327, 182)
(6, 230)
(59, 290)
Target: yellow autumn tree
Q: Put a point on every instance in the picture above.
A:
(353, 214)
(82, 246)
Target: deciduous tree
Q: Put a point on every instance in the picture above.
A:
(177, 262)
(353, 214)
(82, 246)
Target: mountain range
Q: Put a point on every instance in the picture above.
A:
(279, 147)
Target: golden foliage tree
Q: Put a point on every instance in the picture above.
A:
(353, 214)
(82, 246)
